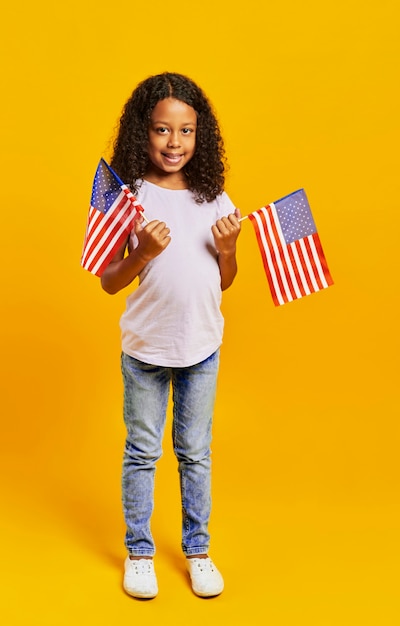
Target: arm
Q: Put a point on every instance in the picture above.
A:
(122, 270)
(226, 232)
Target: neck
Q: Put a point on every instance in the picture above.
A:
(168, 181)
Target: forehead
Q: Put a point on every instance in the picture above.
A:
(171, 109)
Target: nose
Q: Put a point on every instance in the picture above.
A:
(173, 140)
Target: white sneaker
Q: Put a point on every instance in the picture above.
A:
(140, 580)
(206, 579)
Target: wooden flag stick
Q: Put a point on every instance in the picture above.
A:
(140, 211)
(245, 217)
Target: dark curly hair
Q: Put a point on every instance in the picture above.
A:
(205, 170)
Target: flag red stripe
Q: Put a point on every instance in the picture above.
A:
(304, 266)
(296, 271)
(281, 246)
(322, 258)
(274, 258)
(102, 224)
(299, 266)
(106, 246)
(95, 219)
(97, 227)
(104, 237)
(106, 218)
(111, 253)
(313, 265)
(253, 220)
(115, 237)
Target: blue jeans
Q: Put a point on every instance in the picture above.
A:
(146, 393)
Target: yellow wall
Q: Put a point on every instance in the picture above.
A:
(306, 478)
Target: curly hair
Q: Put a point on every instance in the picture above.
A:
(205, 170)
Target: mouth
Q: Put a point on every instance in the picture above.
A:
(172, 158)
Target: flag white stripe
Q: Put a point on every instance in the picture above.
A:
(285, 251)
(317, 262)
(93, 213)
(113, 241)
(103, 243)
(112, 220)
(107, 218)
(88, 226)
(281, 269)
(300, 268)
(268, 255)
(94, 227)
(308, 264)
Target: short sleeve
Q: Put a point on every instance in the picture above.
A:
(225, 205)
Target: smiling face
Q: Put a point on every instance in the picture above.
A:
(172, 142)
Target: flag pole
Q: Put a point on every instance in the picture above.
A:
(138, 207)
(245, 217)
(140, 210)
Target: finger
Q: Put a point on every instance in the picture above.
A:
(161, 230)
(224, 225)
(228, 224)
(215, 231)
(233, 220)
(138, 224)
(152, 225)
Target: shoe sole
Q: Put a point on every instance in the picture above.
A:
(143, 596)
(207, 595)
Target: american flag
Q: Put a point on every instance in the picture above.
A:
(112, 211)
(291, 250)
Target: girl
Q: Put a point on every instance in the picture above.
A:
(170, 151)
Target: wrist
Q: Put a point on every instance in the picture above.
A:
(227, 254)
(141, 256)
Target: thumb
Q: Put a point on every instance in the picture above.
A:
(137, 224)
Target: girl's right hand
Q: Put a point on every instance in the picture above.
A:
(153, 239)
(122, 270)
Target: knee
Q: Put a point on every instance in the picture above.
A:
(141, 455)
(191, 455)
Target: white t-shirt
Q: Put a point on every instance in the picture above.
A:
(173, 317)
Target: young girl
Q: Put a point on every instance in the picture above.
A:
(170, 151)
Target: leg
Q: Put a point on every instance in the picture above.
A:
(194, 395)
(146, 390)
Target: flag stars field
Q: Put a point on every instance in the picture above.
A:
(295, 218)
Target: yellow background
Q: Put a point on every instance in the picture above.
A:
(306, 516)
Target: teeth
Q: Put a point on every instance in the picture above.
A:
(173, 157)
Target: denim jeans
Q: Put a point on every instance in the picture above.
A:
(146, 393)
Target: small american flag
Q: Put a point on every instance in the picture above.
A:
(112, 211)
(291, 251)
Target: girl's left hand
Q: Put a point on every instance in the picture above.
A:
(226, 231)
